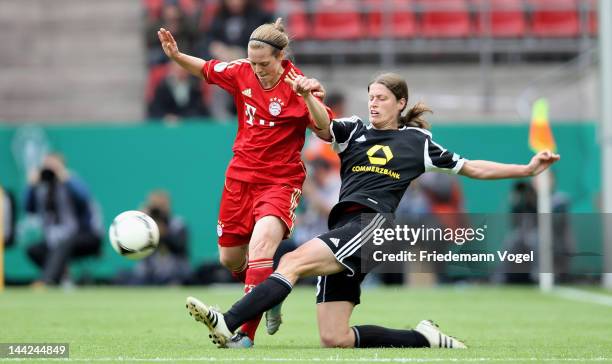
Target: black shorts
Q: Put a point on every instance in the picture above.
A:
(346, 241)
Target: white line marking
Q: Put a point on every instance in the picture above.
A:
(328, 359)
(583, 296)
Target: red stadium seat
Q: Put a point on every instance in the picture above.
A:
(269, 6)
(445, 19)
(153, 8)
(297, 20)
(403, 19)
(188, 6)
(337, 19)
(593, 23)
(555, 18)
(507, 18)
(593, 20)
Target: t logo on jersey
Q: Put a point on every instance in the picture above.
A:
(247, 92)
(379, 160)
(250, 111)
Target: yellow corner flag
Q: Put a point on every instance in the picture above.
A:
(540, 135)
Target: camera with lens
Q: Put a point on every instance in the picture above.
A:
(159, 215)
(47, 175)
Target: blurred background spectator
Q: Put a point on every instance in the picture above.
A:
(337, 102)
(320, 191)
(523, 237)
(444, 198)
(321, 188)
(8, 215)
(232, 25)
(178, 96)
(182, 26)
(226, 39)
(71, 224)
(169, 264)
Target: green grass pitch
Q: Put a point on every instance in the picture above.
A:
(152, 325)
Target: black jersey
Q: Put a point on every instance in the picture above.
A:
(378, 165)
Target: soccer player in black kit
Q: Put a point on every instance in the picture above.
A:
(378, 162)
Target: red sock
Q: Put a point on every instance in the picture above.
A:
(257, 272)
(240, 274)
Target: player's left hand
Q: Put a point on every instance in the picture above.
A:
(541, 162)
(303, 85)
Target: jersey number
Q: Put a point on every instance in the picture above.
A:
(250, 116)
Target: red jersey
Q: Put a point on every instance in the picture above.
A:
(271, 124)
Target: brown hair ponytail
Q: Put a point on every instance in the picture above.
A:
(415, 118)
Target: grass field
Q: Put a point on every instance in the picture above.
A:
(145, 325)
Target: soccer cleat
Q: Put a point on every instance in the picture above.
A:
(436, 338)
(239, 341)
(274, 319)
(219, 333)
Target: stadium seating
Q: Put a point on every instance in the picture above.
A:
(445, 19)
(298, 23)
(269, 5)
(403, 19)
(337, 19)
(364, 19)
(153, 8)
(506, 20)
(593, 21)
(555, 18)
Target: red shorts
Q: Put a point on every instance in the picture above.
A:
(243, 203)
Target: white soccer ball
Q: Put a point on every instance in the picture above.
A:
(133, 234)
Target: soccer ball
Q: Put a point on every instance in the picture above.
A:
(133, 234)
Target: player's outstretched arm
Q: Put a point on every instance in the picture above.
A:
(479, 169)
(192, 64)
(308, 88)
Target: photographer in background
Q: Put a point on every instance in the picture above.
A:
(169, 264)
(70, 223)
(8, 216)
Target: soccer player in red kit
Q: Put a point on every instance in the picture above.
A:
(264, 178)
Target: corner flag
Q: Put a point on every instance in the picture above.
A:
(541, 138)
(540, 135)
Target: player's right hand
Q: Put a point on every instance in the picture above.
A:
(168, 43)
(542, 161)
(303, 85)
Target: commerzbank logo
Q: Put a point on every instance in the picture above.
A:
(379, 155)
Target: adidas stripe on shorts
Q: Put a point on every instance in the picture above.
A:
(346, 240)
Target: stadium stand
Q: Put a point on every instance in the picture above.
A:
(299, 24)
(555, 18)
(445, 19)
(69, 61)
(505, 18)
(339, 19)
(403, 19)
